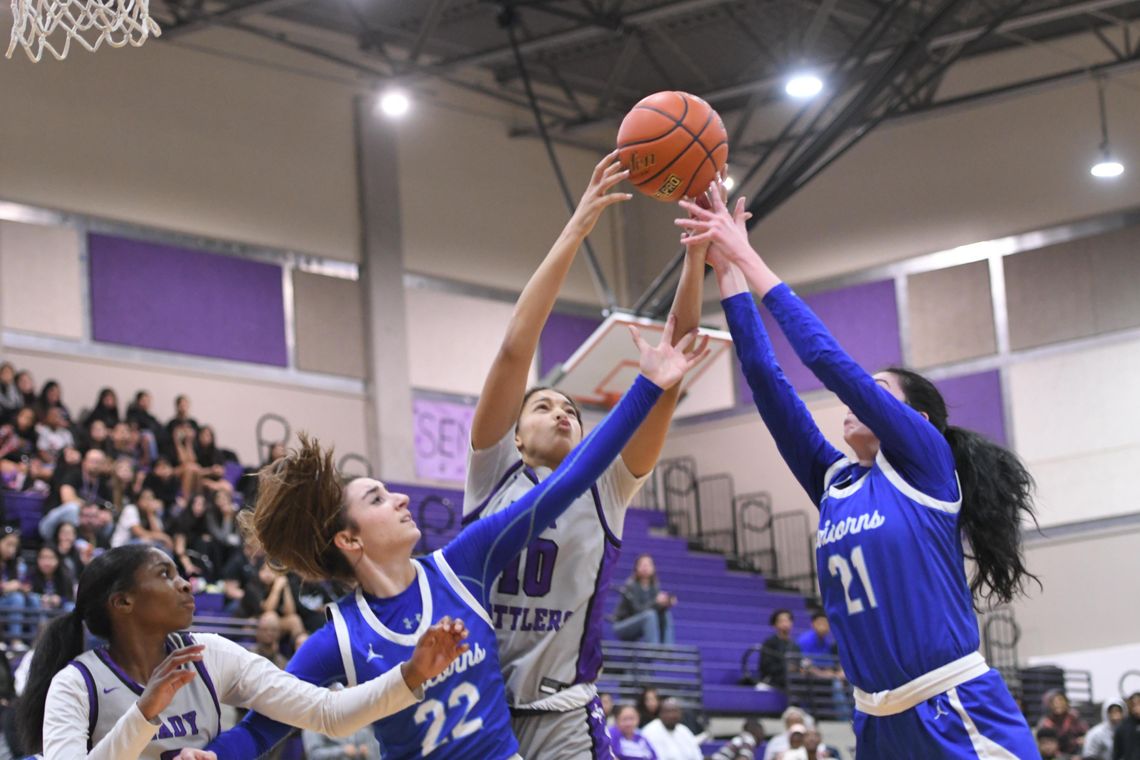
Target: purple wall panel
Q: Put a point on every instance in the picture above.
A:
(178, 299)
(863, 318)
(561, 337)
(975, 402)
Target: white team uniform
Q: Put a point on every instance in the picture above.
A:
(547, 608)
(92, 711)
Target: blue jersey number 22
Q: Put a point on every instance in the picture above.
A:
(837, 564)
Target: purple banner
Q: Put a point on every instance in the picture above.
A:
(863, 318)
(442, 437)
(191, 302)
(561, 336)
(975, 402)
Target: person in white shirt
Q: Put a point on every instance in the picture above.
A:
(779, 743)
(154, 691)
(670, 738)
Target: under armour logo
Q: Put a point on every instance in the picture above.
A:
(938, 711)
(108, 691)
(372, 655)
(409, 624)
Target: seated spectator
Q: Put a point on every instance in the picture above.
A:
(743, 745)
(239, 580)
(184, 458)
(96, 526)
(626, 740)
(793, 716)
(64, 541)
(643, 612)
(138, 414)
(669, 737)
(125, 445)
(53, 435)
(163, 482)
(180, 421)
(1049, 744)
(19, 463)
(125, 483)
(276, 595)
(211, 462)
(815, 749)
(248, 482)
(78, 478)
(796, 749)
(95, 436)
(360, 746)
(607, 701)
(1126, 738)
(13, 585)
(142, 524)
(51, 587)
(193, 544)
(267, 639)
(817, 642)
(775, 650)
(106, 410)
(1098, 741)
(1068, 724)
(11, 400)
(26, 385)
(648, 705)
(51, 397)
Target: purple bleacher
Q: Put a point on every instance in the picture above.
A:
(209, 603)
(722, 612)
(26, 508)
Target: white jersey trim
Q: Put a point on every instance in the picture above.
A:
(340, 629)
(577, 696)
(912, 493)
(457, 585)
(833, 470)
(882, 704)
(404, 639)
(986, 748)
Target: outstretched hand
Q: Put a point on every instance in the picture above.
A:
(436, 649)
(665, 364)
(597, 198)
(726, 231)
(168, 678)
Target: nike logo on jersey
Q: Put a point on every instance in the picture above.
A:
(372, 655)
(108, 691)
(829, 534)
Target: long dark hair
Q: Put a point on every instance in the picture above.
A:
(997, 494)
(61, 641)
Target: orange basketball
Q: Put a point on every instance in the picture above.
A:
(674, 145)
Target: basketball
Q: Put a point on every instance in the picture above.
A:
(673, 144)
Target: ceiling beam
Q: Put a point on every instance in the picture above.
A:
(233, 14)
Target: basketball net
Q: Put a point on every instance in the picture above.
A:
(51, 25)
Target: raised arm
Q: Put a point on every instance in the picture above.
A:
(906, 438)
(503, 390)
(485, 547)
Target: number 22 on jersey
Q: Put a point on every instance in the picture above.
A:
(434, 711)
(837, 564)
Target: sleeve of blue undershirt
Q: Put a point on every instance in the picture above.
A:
(317, 661)
(481, 551)
(807, 453)
(909, 442)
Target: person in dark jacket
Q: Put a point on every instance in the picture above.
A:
(1126, 740)
(775, 650)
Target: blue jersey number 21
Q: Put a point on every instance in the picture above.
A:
(837, 565)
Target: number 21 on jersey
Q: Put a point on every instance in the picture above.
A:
(837, 564)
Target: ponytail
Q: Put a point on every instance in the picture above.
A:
(63, 639)
(997, 495)
(60, 642)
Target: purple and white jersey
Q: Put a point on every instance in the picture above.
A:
(547, 606)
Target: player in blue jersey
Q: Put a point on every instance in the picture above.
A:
(309, 523)
(895, 521)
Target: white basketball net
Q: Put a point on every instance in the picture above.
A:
(51, 25)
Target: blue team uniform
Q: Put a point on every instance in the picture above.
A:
(464, 711)
(889, 551)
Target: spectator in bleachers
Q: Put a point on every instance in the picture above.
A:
(1098, 741)
(95, 436)
(96, 525)
(817, 642)
(360, 746)
(607, 701)
(64, 542)
(53, 435)
(643, 613)
(11, 400)
(125, 484)
(184, 458)
(51, 586)
(670, 738)
(249, 478)
(1049, 744)
(141, 523)
(191, 535)
(163, 482)
(138, 414)
(267, 639)
(106, 409)
(239, 578)
(1126, 739)
(743, 745)
(816, 749)
(796, 749)
(51, 397)
(627, 742)
(26, 385)
(211, 461)
(648, 705)
(19, 462)
(125, 444)
(181, 419)
(78, 479)
(1067, 722)
(793, 716)
(13, 584)
(775, 650)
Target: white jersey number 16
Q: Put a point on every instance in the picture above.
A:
(838, 565)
